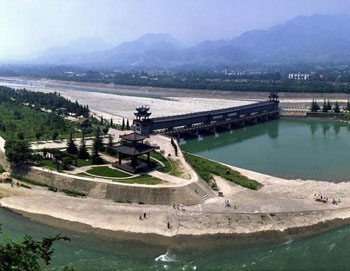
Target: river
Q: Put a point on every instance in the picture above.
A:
(328, 251)
(292, 149)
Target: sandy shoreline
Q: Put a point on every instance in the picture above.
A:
(282, 209)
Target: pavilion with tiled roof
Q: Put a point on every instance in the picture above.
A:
(131, 147)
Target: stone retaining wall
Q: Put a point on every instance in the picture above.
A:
(113, 191)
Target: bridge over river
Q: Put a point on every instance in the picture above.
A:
(208, 121)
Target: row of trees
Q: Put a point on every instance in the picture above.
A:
(98, 146)
(53, 101)
(327, 106)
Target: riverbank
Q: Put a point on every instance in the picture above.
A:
(281, 209)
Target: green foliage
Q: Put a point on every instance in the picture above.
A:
(71, 146)
(55, 134)
(336, 108)
(25, 180)
(32, 124)
(127, 125)
(96, 158)
(38, 135)
(347, 108)
(27, 254)
(110, 145)
(123, 124)
(167, 164)
(73, 193)
(66, 162)
(314, 106)
(83, 152)
(17, 151)
(329, 106)
(97, 147)
(105, 130)
(325, 106)
(98, 141)
(53, 101)
(20, 136)
(107, 172)
(207, 168)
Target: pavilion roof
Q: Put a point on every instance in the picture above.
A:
(134, 150)
(133, 137)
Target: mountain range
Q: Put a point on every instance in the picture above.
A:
(304, 39)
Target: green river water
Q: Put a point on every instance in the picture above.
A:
(328, 251)
(292, 149)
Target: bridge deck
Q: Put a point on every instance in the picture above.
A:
(210, 112)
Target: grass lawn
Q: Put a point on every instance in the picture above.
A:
(205, 168)
(167, 165)
(107, 172)
(114, 173)
(177, 172)
(49, 163)
(80, 162)
(142, 179)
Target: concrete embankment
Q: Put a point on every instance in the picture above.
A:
(187, 227)
(146, 194)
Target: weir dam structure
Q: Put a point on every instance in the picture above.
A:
(208, 121)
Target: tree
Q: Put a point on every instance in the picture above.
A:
(123, 124)
(127, 125)
(17, 151)
(38, 135)
(98, 141)
(97, 147)
(101, 120)
(83, 152)
(55, 134)
(20, 136)
(336, 108)
(324, 106)
(66, 162)
(348, 106)
(105, 130)
(95, 157)
(329, 106)
(27, 254)
(110, 149)
(314, 106)
(71, 146)
(111, 123)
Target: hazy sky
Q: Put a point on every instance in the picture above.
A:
(28, 26)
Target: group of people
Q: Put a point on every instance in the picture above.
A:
(143, 217)
(179, 207)
(320, 197)
(336, 201)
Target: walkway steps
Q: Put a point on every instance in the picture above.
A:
(204, 193)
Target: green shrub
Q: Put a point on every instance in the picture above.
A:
(73, 193)
(206, 168)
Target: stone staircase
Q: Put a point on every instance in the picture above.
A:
(200, 191)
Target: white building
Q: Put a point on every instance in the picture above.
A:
(299, 76)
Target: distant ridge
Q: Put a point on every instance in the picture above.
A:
(304, 39)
